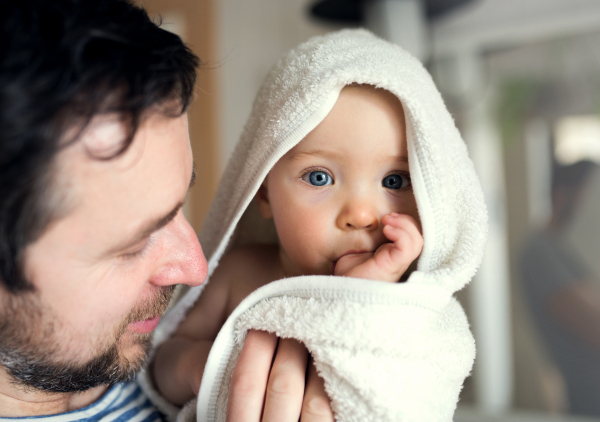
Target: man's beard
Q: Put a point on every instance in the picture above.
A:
(30, 354)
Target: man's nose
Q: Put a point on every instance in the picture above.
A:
(358, 214)
(181, 260)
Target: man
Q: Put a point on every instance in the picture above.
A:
(561, 291)
(95, 163)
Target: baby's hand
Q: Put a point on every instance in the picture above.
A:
(390, 260)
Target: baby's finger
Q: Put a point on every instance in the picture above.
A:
(401, 235)
(249, 379)
(316, 406)
(405, 239)
(285, 389)
(397, 235)
(347, 262)
(400, 220)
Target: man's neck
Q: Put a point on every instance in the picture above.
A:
(17, 401)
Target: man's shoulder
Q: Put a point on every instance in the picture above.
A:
(122, 402)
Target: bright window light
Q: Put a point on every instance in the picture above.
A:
(577, 138)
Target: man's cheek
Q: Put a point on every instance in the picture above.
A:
(104, 306)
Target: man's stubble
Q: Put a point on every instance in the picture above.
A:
(30, 349)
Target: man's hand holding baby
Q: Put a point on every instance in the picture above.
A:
(390, 260)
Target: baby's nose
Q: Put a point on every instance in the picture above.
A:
(358, 216)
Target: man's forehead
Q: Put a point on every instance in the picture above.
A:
(86, 155)
(106, 145)
(150, 177)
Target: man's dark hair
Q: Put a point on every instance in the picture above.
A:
(61, 63)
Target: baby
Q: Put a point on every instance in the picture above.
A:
(342, 204)
(347, 134)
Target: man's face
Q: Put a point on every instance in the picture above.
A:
(328, 194)
(103, 272)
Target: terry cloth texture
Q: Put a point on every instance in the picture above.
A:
(387, 352)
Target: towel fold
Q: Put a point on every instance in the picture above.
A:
(397, 352)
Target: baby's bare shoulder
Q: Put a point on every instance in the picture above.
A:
(239, 273)
(250, 267)
(251, 257)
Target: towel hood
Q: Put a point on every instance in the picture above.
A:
(296, 96)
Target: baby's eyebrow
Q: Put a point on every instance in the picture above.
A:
(313, 153)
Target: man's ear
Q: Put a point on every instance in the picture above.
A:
(264, 205)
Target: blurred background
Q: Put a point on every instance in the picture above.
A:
(522, 80)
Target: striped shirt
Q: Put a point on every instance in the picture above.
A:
(122, 402)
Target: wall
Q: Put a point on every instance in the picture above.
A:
(253, 35)
(195, 22)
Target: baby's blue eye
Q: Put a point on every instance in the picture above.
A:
(319, 178)
(396, 181)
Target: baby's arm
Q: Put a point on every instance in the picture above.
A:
(390, 260)
(179, 362)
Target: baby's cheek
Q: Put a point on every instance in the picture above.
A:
(305, 240)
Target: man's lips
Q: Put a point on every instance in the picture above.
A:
(351, 252)
(145, 326)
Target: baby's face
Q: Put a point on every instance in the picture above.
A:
(328, 194)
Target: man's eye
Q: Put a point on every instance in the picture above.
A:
(139, 250)
(396, 181)
(318, 178)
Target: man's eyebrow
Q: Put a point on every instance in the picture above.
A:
(160, 223)
(154, 225)
(193, 178)
(146, 230)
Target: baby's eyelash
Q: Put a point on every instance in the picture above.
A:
(311, 169)
(399, 173)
